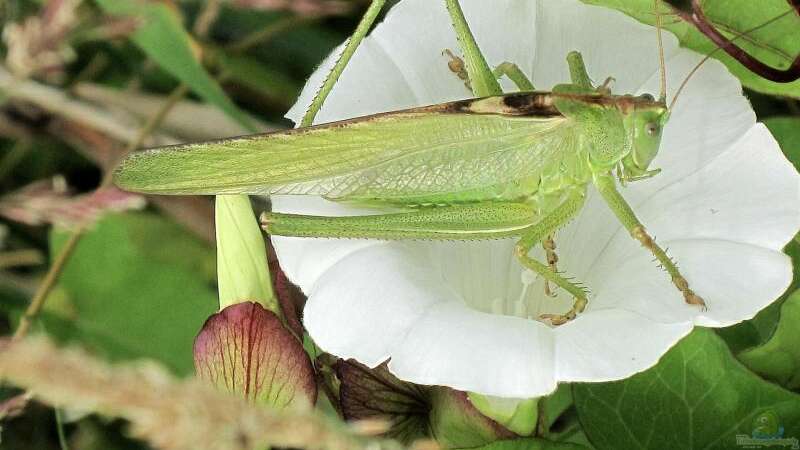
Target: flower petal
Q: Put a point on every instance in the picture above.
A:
(736, 281)
(474, 351)
(611, 344)
(364, 305)
(764, 211)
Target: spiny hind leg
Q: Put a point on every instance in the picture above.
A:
(605, 184)
(549, 246)
(538, 233)
(488, 220)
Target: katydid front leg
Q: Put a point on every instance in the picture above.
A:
(605, 184)
(554, 220)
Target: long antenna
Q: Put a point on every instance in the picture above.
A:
(708, 56)
(663, 95)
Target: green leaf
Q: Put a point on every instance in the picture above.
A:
(779, 359)
(698, 397)
(787, 131)
(775, 44)
(529, 444)
(137, 286)
(162, 37)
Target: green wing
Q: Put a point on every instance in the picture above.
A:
(417, 152)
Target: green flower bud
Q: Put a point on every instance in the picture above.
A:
(242, 269)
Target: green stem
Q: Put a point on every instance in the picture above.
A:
(481, 78)
(349, 49)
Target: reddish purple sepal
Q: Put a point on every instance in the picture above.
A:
(246, 349)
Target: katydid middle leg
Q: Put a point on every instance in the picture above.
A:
(539, 232)
(515, 74)
(605, 184)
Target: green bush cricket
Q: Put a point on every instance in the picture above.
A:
(497, 166)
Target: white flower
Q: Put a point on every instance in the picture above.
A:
(457, 313)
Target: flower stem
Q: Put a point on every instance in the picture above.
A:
(349, 49)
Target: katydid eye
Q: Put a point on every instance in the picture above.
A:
(651, 129)
(648, 97)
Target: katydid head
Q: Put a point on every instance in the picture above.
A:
(644, 124)
(645, 121)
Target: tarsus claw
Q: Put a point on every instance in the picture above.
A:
(561, 319)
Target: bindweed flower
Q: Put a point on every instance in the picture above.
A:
(465, 314)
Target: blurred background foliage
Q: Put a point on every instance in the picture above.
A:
(79, 80)
(84, 82)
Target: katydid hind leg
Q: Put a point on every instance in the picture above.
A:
(545, 227)
(605, 184)
(489, 220)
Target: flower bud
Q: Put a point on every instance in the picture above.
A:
(413, 412)
(242, 270)
(245, 349)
